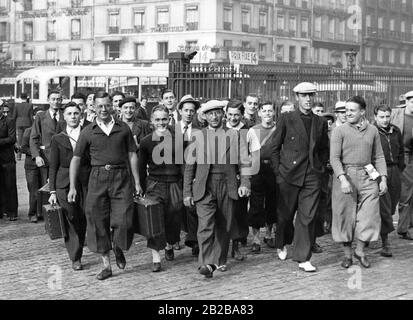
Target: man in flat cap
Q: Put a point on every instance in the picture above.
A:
(210, 183)
(299, 156)
(402, 117)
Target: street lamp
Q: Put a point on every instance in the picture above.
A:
(351, 63)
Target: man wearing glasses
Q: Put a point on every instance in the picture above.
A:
(45, 126)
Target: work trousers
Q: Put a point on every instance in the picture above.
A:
(8, 189)
(406, 200)
(33, 179)
(169, 194)
(324, 212)
(215, 214)
(109, 205)
(389, 200)
(75, 222)
(263, 203)
(303, 200)
(190, 226)
(356, 216)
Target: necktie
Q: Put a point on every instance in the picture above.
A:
(186, 133)
(55, 121)
(171, 119)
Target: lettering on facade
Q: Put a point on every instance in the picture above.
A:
(243, 57)
(68, 12)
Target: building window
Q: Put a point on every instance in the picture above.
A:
(280, 53)
(51, 54)
(263, 22)
(293, 26)
(292, 55)
(28, 5)
(245, 44)
(76, 3)
(28, 31)
(331, 29)
(392, 56)
(304, 4)
(368, 21)
(262, 50)
(76, 55)
(317, 27)
(162, 17)
(3, 4)
(139, 20)
(191, 46)
(391, 24)
(280, 23)
(112, 50)
(403, 26)
(140, 51)
(162, 50)
(342, 30)
(51, 30)
(403, 57)
(4, 31)
(411, 58)
(380, 55)
(246, 20)
(75, 28)
(227, 18)
(367, 54)
(304, 54)
(114, 22)
(51, 5)
(28, 55)
(304, 28)
(380, 23)
(192, 17)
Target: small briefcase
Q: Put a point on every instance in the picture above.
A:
(148, 218)
(54, 221)
(42, 198)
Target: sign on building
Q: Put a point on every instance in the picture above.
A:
(243, 57)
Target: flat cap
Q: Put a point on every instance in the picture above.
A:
(305, 87)
(408, 95)
(340, 106)
(212, 105)
(126, 100)
(188, 99)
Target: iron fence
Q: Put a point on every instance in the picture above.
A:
(275, 82)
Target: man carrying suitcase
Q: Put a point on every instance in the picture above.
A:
(109, 201)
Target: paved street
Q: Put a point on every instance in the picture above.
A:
(34, 267)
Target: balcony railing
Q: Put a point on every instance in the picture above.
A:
(139, 29)
(113, 30)
(28, 37)
(191, 26)
(75, 35)
(51, 36)
(228, 26)
(389, 35)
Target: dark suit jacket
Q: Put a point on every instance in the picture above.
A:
(29, 163)
(140, 129)
(42, 133)
(24, 114)
(141, 113)
(196, 174)
(60, 156)
(7, 140)
(293, 151)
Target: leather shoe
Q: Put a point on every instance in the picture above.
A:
(316, 248)
(207, 270)
(120, 258)
(405, 236)
(195, 250)
(76, 265)
(12, 218)
(223, 268)
(169, 254)
(307, 267)
(235, 252)
(363, 260)
(104, 274)
(386, 252)
(156, 267)
(270, 242)
(256, 248)
(347, 263)
(33, 219)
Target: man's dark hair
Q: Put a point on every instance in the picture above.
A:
(359, 100)
(117, 93)
(160, 107)
(164, 91)
(23, 96)
(102, 94)
(318, 104)
(53, 92)
(78, 95)
(266, 103)
(381, 107)
(71, 104)
(236, 104)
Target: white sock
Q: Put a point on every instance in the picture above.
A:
(168, 246)
(106, 261)
(267, 231)
(256, 234)
(156, 257)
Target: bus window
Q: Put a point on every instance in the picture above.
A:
(61, 84)
(19, 89)
(27, 87)
(86, 85)
(36, 89)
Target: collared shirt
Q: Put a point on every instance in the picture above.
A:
(188, 131)
(106, 128)
(238, 127)
(52, 112)
(175, 117)
(307, 120)
(90, 116)
(73, 134)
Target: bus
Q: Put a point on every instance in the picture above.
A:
(131, 80)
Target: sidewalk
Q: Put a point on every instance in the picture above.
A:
(34, 267)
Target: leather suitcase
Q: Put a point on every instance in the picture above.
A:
(42, 199)
(148, 218)
(54, 221)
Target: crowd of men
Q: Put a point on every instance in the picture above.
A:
(219, 168)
